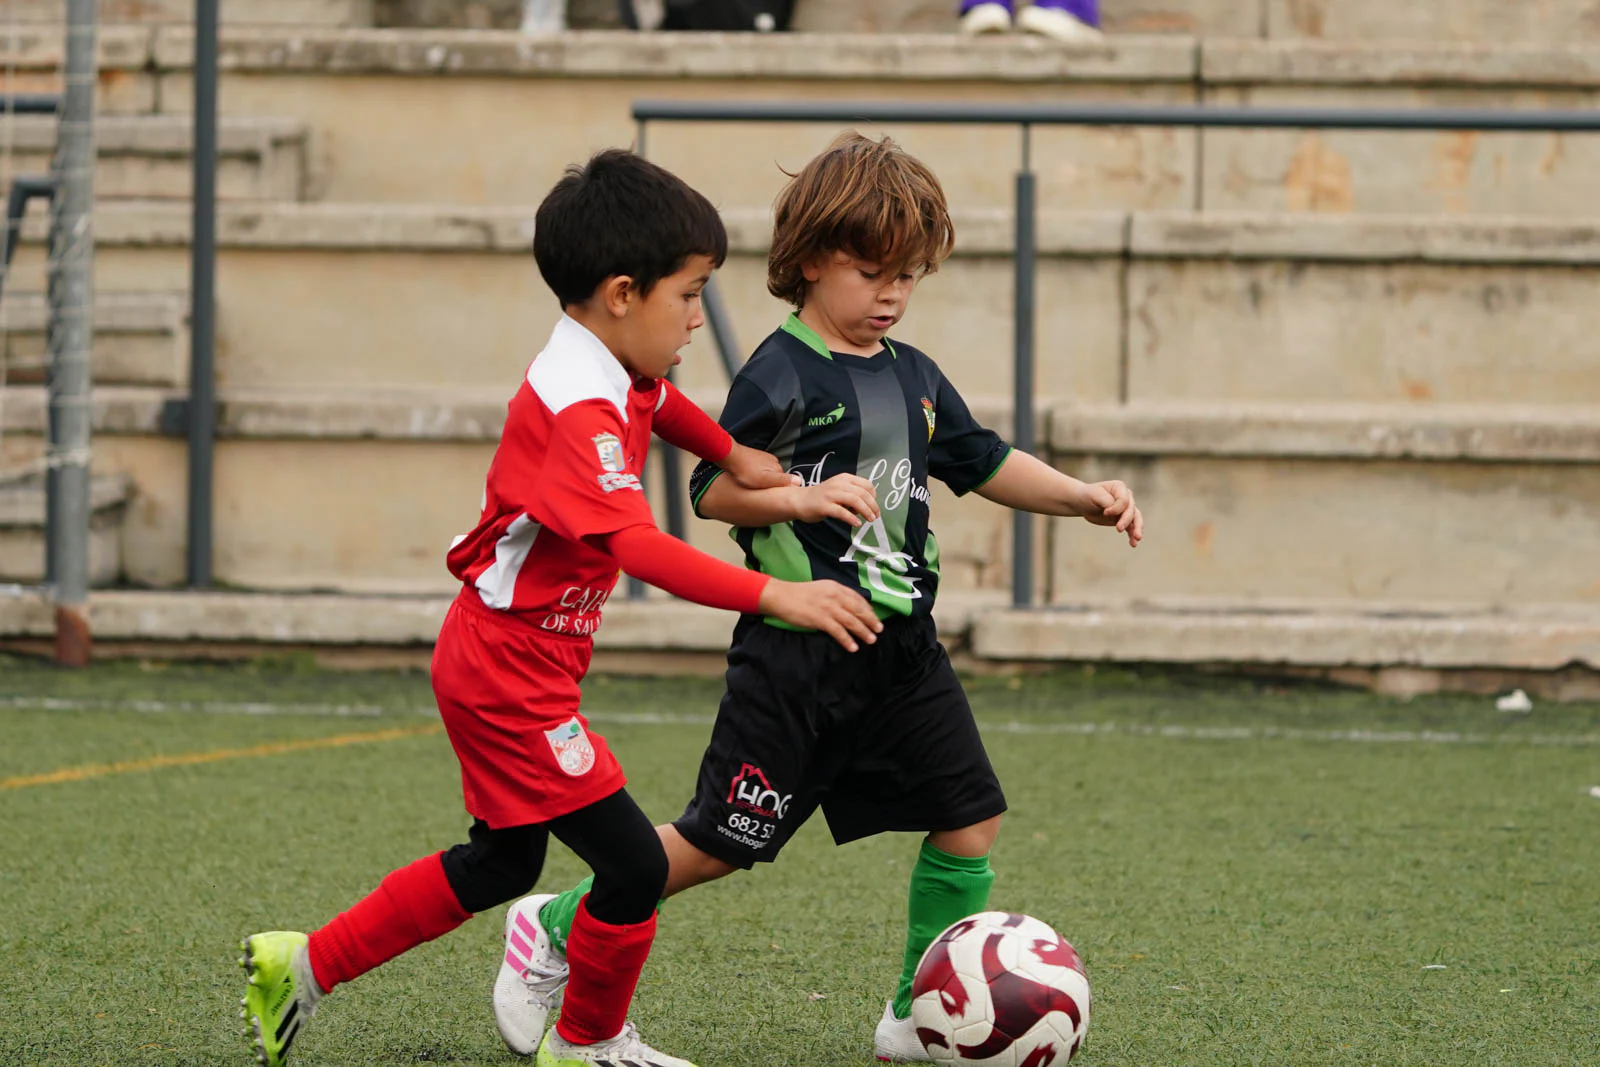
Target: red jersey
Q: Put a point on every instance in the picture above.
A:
(567, 468)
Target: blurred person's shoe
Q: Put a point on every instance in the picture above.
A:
(986, 18)
(1058, 25)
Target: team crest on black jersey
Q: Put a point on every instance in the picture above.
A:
(610, 451)
(927, 412)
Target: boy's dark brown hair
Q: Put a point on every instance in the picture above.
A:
(867, 198)
(620, 214)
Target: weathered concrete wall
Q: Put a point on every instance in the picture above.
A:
(501, 114)
(1367, 530)
(320, 13)
(509, 113)
(1485, 21)
(151, 156)
(1446, 505)
(1144, 307)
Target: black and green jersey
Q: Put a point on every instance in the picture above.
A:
(891, 418)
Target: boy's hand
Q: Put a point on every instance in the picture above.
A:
(848, 497)
(1111, 504)
(842, 614)
(755, 469)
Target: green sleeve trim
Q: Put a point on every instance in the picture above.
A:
(792, 325)
(694, 501)
(992, 473)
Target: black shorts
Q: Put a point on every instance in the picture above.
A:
(882, 739)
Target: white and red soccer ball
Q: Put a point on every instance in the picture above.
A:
(1000, 990)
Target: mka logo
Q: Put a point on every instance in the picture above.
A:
(828, 418)
(751, 792)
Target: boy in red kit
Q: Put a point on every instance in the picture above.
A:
(627, 249)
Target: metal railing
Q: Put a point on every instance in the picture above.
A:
(24, 187)
(1027, 116)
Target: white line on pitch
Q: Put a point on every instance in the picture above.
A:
(649, 718)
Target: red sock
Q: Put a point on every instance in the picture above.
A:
(410, 906)
(605, 961)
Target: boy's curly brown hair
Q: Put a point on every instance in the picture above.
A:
(870, 199)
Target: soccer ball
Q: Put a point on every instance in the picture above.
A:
(1000, 990)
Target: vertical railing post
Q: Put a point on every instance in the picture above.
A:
(202, 408)
(67, 496)
(1022, 382)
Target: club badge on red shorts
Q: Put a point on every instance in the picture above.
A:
(573, 749)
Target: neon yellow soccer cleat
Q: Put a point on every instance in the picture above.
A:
(281, 994)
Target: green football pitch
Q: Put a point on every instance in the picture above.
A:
(1253, 874)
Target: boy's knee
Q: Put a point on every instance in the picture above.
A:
(969, 841)
(627, 891)
(495, 866)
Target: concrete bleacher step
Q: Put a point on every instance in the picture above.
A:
(1140, 306)
(501, 114)
(322, 13)
(1401, 648)
(22, 529)
(152, 156)
(139, 338)
(1394, 501)
(660, 623)
(1551, 650)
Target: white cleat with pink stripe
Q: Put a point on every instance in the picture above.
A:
(533, 975)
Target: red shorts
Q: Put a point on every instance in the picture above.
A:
(508, 694)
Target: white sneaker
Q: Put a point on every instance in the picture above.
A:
(1058, 25)
(533, 975)
(986, 18)
(896, 1040)
(625, 1048)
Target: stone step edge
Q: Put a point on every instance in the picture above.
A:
(1315, 635)
(1184, 60)
(400, 620)
(22, 504)
(1360, 431)
(125, 312)
(1141, 235)
(164, 135)
(1530, 639)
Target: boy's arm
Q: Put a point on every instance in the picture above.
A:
(846, 497)
(969, 458)
(578, 497)
(667, 563)
(680, 422)
(1026, 483)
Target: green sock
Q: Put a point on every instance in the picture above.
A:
(557, 914)
(944, 889)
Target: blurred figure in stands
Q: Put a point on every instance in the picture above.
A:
(1071, 21)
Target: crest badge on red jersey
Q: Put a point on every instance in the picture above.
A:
(574, 751)
(610, 452)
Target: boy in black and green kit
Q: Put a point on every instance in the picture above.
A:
(882, 739)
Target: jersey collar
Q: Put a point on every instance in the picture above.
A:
(576, 338)
(813, 340)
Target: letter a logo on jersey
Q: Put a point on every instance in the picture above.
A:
(610, 451)
(573, 749)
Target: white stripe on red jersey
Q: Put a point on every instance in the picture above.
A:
(574, 444)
